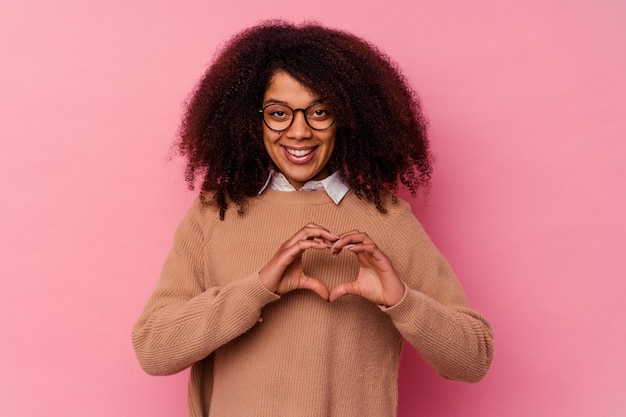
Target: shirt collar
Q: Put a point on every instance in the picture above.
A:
(334, 186)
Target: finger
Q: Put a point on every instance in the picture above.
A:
(295, 251)
(355, 234)
(344, 289)
(369, 248)
(287, 255)
(350, 239)
(315, 286)
(272, 273)
(312, 227)
(371, 255)
(313, 231)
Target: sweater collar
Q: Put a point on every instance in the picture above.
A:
(334, 186)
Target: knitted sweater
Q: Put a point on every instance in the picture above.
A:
(254, 353)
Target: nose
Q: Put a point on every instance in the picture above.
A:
(299, 128)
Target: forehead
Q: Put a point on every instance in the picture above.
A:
(283, 88)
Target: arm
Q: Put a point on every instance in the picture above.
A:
(435, 318)
(183, 322)
(421, 294)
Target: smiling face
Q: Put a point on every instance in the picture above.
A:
(300, 153)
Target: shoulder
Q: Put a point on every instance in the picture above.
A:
(200, 218)
(396, 224)
(396, 208)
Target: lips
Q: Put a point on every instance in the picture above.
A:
(299, 155)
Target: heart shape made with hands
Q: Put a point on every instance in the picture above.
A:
(376, 281)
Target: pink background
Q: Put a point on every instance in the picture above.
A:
(526, 102)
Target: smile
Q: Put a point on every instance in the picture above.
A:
(298, 153)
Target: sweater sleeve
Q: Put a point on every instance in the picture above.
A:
(434, 315)
(184, 322)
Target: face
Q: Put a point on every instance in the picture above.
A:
(300, 153)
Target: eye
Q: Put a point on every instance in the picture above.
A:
(277, 112)
(318, 112)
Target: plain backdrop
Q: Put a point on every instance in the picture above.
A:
(526, 102)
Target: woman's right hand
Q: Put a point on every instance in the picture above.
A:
(283, 273)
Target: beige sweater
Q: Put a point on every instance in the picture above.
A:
(254, 353)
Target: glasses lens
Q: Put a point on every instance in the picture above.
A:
(319, 116)
(277, 117)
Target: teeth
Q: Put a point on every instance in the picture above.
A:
(299, 152)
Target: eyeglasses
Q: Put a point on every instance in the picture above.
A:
(280, 117)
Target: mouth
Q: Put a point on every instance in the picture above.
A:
(299, 156)
(298, 153)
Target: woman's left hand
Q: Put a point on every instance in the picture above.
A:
(377, 280)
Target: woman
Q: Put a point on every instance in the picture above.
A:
(297, 273)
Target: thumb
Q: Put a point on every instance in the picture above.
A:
(343, 289)
(314, 285)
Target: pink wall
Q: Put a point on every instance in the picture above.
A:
(526, 102)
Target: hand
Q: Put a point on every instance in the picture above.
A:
(377, 280)
(283, 273)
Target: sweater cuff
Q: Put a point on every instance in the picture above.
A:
(402, 311)
(254, 292)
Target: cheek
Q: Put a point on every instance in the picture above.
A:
(269, 146)
(330, 143)
(267, 140)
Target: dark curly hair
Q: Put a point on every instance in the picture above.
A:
(381, 136)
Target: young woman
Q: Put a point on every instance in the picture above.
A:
(297, 273)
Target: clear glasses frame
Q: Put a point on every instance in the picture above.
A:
(330, 120)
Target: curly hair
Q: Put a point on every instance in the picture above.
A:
(381, 138)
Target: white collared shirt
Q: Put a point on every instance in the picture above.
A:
(333, 185)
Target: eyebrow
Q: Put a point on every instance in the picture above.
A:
(284, 103)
